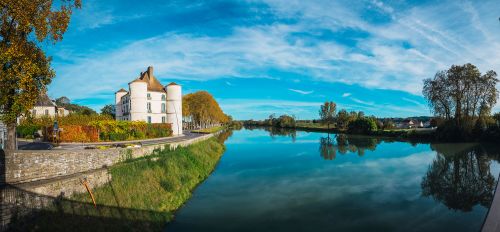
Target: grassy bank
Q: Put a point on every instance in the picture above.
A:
(143, 194)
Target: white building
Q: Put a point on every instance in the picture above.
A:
(45, 107)
(148, 100)
(3, 135)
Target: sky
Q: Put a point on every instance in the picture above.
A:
(259, 57)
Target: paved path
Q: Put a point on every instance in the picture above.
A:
(492, 221)
(26, 145)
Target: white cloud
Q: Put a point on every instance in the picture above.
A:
(438, 35)
(346, 94)
(301, 91)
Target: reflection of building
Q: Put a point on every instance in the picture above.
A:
(46, 107)
(148, 100)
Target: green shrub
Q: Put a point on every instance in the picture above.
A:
(27, 130)
(362, 126)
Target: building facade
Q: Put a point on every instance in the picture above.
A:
(148, 100)
(45, 107)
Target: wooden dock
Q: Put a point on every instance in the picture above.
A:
(492, 221)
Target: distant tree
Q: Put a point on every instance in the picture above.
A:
(286, 121)
(496, 117)
(327, 113)
(364, 125)
(461, 93)
(342, 119)
(24, 27)
(108, 110)
(63, 101)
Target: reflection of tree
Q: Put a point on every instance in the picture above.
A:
(327, 149)
(344, 144)
(461, 180)
(275, 131)
(224, 135)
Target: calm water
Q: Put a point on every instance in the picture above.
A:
(314, 182)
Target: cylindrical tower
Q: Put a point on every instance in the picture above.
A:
(174, 107)
(118, 103)
(138, 102)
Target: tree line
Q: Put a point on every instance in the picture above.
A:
(462, 99)
(354, 122)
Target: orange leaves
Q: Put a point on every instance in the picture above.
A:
(25, 67)
(202, 107)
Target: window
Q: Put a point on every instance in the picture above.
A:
(163, 97)
(163, 107)
(149, 107)
(149, 96)
(149, 119)
(34, 112)
(46, 112)
(163, 120)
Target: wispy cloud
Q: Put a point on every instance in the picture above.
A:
(379, 45)
(368, 103)
(301, 91)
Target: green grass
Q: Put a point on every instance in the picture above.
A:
(161, 182)
(142, 196)
(210, 130)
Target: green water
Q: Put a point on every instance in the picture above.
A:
(299, 181)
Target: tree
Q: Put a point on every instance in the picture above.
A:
(461, 94)
(108, 110)
(342, 119)
(327, 113)
(363, 125)
(202, 109)
(25, 69)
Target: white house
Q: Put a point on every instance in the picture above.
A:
(148, 100)
(47, 107)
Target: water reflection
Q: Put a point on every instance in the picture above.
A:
(275, 131)
(341, 143)
(460, 177)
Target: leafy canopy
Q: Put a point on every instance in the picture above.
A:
(25, 69)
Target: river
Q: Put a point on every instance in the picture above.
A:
(300, 181)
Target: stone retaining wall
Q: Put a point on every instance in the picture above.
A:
(28, 166)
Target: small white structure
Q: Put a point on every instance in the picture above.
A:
(45, 107)
(148, 100)
(3, 135)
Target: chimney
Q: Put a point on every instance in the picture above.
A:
(150, 71)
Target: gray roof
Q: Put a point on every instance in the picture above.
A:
(44, 100)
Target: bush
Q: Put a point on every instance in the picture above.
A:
(27, 130)
(362, 126)
(94, 128)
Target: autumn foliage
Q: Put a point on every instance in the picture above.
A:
(201, 108)
(24, 25)
(95, 128)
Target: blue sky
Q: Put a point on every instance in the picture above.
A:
(259, 57)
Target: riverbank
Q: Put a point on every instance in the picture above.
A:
(154, 186)
(425, 134)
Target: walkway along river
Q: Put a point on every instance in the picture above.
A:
(298, 181)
